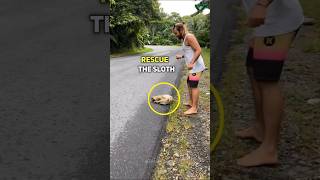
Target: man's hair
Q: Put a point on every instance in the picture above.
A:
(181, 28)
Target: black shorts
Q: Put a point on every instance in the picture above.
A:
(267, 56)
(193, 79)
(264, 70)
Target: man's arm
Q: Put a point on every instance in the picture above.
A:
(258, 13)
(192, 41)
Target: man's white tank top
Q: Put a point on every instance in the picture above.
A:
(283, 16)
(188, 54)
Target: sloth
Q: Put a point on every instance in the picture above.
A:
(164, 99)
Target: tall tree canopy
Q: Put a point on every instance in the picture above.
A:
(128, 20)
(136, 23)
(160, 31)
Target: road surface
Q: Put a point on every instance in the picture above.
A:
(52, 91)
(135, 130)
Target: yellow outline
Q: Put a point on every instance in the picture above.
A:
(219, 103)
(163, 83)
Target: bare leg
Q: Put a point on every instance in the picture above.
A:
(194, 94)
(273, 105)
(189, 103)
(255, 131)
(195, 99)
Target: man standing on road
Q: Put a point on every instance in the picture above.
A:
(275, 24)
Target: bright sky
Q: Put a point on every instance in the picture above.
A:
(183, 7)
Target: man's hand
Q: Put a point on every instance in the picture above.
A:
(190, 66)
(179, 56)
(257, 16)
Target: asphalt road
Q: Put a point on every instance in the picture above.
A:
(135, 130)
(53, 100)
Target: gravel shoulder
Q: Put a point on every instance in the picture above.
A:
(185, 146)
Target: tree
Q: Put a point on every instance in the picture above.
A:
(199, 25)
(160, 31)
(128, 21)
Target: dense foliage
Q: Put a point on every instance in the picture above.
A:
(128, 22)
(136, 23)
(160, 31)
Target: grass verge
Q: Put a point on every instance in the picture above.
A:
(175, 159)
(311, 44)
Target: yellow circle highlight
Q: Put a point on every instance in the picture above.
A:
(219, 133)
(156, 85)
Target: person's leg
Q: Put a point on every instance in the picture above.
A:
(195, 92)
(189, 102)
(195, 100)
(269, 55)
(256, 130)
(273, 105)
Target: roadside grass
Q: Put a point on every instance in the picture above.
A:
(311, 8)
(173, 160)
(206, 77)
(311, 43)
(130, 52)
(241, 22)
(231, 83)
(206, 56)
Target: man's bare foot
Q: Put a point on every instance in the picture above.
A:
(191, 111)
(251, 132)
(259, 157)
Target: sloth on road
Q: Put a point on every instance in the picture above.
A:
(164, 99)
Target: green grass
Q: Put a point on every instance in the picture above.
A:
(130, 52)
(312, 46)
(238, 37)
(206, 56)
(311, 9)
